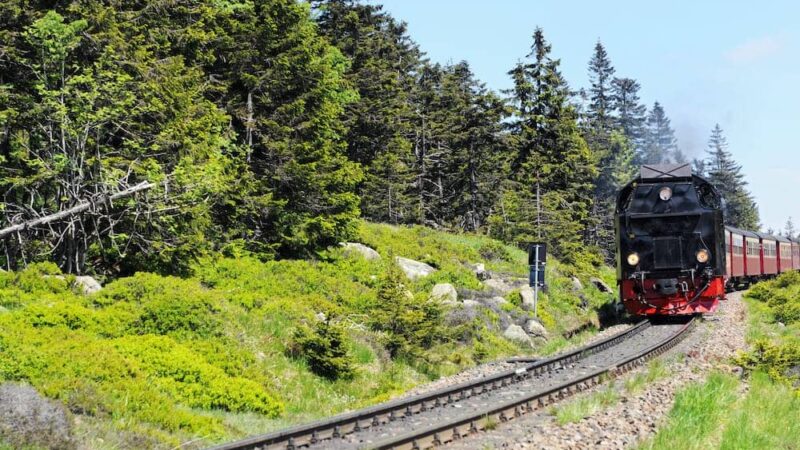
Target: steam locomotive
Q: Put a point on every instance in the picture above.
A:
(670, 243)
(674, 254)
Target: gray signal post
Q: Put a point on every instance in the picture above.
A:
(537, 258)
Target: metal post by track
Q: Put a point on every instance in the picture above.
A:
(537, 259)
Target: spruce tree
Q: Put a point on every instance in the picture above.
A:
(601, 98)
(599, 131)
(552, 165)
(630, 113)
(739, 207)
(660, 143)
(381, 132)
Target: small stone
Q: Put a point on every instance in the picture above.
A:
(445, 293)
(499, 300)
(497, 285)
(414, 269)
(471, 303)
(526, 293)
(321, 316)
(517, 334)
(87, 284)
(535, 328)
(576, 284)
(354, 248)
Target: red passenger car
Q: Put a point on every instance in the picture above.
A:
(784, 254)
(769, 254)
(795, 253)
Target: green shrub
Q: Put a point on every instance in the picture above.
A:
(324, 347)
(492, 250)
(168, 304)
(773, 359)
(180, 372)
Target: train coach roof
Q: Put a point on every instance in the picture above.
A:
(782, 238)
(767, 236)
(742, 232)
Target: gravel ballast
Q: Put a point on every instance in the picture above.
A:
(634, 417)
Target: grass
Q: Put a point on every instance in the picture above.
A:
(767, 418)
(656, 369)
(696, 416)
(585, 406)
(713, 415)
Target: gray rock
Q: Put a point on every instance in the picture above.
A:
(499, 300)
(534, 328)
(29, 420)
(320, 316)
(498, 285)
(576, 284)
(471, 303)
(517, 334)
(463, 315)
(601, 285)
(526, 293)
(354, 248)
(87, 284)
(414, 269)
(445, 293)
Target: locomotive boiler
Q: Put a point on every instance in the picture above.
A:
(670, 243)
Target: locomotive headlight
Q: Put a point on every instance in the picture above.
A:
(633, 259)
(703, 256)
(665, 193)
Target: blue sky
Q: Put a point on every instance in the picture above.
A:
(735, 63)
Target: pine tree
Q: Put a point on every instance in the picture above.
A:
(739, 207)
(553, 164)
(660, 143)
(630, 113)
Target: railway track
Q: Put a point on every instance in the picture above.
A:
(450, 413)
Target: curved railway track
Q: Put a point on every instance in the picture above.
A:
(449, 413)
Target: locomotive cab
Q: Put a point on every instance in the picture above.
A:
(670, 242)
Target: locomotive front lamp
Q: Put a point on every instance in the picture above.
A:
(665, 193)
(703, 256)
(633, 259)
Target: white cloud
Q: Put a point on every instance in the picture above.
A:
(755, 49)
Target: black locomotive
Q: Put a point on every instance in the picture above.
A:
(670, 242)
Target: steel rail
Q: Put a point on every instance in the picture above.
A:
(455, 429)
(346, 423)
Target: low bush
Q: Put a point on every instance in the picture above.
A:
(324, 347)
(773, 359)
(169, 305)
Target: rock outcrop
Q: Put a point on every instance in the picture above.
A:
(354, 248)
(445, 293)
(414, 269)
(29, 420)
(515, 333)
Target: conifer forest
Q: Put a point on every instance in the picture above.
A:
(271, 126)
